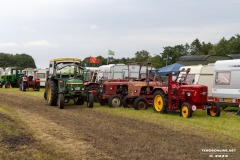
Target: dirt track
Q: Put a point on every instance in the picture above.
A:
(82, 133)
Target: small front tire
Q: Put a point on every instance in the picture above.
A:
(215, 110)
(115, 101)
(186, 110)
(61, 101)
(140, 103)
(90, 101)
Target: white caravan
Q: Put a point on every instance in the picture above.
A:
(42, 74)
(120, 71)
(201, 74)
(226, 85)
(91, 73)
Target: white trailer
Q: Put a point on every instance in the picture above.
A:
(201, 74)
(226, 85)
(120, 71)
(42, 74)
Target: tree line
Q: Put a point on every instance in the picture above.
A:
(171, 54)
(17, 60)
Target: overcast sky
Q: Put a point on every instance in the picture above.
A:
(47, 29)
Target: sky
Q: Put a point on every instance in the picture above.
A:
(47, 29)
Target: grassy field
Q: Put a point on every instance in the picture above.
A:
(223, 128)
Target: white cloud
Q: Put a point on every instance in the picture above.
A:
(28, 29)
(8, 45)
(94, 27)
(40, 43)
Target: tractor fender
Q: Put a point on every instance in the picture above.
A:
(163, 89)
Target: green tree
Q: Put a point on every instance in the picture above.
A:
(156, 61)
(195, 47)
(142, 56)
(221, 48)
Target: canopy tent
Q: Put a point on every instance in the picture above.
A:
(173, 68)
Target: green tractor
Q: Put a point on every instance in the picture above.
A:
(11, 77)
(66, 82)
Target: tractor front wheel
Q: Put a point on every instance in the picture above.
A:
(115, 101)
(140, 103)
(90, 100)
(93, 89)
(61, 101)
(215, 110)
(186, 110)
(160, 102)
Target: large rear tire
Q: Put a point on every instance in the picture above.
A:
(160, 102)
(52, 92)
(140, 103)
(115, 101)
(215, 110)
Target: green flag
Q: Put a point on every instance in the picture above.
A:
(110, 52)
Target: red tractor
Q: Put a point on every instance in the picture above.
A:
(177, 95)
(113, 90)
(25, 82)
(141, 90)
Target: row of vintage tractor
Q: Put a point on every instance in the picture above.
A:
(17, 77)
(66, 81)
(164, 96)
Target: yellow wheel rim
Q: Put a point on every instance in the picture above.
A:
(158, 103)
(185, 111)
(213, 111)
(49, 93)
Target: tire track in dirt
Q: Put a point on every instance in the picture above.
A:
(105, 136)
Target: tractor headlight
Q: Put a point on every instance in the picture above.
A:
(72, 89)
(194, 108)
(135, 91)
(188, 94)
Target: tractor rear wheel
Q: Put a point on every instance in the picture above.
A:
(186, 110)
(126, 102)
(215, 110)
(160, 102)
(115, 101)
(90, 100)
(61, 101)
(140, 103)
(52, 92)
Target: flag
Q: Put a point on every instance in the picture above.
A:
(110, 59)
(93, 60)
(110, 52)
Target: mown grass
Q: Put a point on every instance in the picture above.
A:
(225, 127)
(18, 142)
